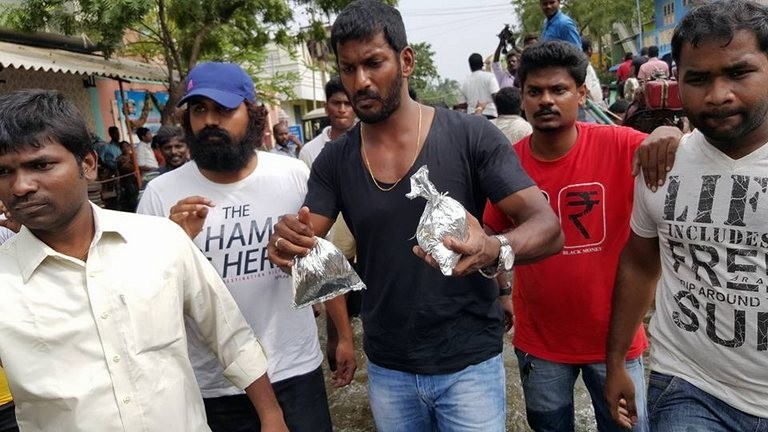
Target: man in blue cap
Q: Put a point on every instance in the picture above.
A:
(227, 199)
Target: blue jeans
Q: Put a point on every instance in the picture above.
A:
(472, 399)
(675, 405)
(548, 391)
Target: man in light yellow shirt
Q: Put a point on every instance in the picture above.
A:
(94, 301)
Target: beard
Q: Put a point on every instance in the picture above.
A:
(213, 149)
(389, 103)
(750, 120)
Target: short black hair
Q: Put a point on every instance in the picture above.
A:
(332, 87)
(529, 37)
(628, 56)
(165, 134)
(718, 21)
(33, 117)
(362, 20)
(140, 132)
(475, 62)
(114, 132)
(507, 101)
(644, 51)
(554, 53)
(653, 51)
(586, 43)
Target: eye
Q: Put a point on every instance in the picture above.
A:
(534, 92)
(347, 70)
(198, 108)
(42, 166)
(739, 74)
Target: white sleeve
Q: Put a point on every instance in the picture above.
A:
(641, 221)
(150, 203)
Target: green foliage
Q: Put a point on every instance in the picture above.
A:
(425, 72)
(442, 93)
(101, 21)
(597, 16)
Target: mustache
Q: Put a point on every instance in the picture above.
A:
(720, 113)
(366, 94)
(208, 133)
(546, 111)
(23, 202)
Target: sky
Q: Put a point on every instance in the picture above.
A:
(456, 29)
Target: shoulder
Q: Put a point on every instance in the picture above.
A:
(170, 180)
(141, 227)
(285, 164)
(600, 135)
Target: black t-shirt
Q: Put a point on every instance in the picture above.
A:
(415, 319)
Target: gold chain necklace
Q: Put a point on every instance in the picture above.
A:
(368, 164)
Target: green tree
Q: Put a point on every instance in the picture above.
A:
(594, 17)
(425, 74)
(181, 32)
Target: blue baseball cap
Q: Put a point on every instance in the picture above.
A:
(227, 84)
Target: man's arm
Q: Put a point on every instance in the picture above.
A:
(638, 271)
(538, 234)
(263, 399)
(294, 236)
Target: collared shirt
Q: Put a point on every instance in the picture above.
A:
(561, 27)
(108, 154)
(290, 149)
(145, 157)
(479, 87)
(503, 77)
(100, 345)
(513, 126)
(653, 68)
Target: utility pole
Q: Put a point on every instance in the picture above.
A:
(639, 27)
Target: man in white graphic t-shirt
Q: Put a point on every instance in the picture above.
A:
(706, 232)
(228, 198)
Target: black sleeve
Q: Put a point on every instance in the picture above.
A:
(498, 168)
(322, 187)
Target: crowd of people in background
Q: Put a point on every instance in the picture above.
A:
(175, 312)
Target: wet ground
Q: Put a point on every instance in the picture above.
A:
(351, 413)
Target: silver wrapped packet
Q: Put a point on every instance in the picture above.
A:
(443, 216)
(322, 274)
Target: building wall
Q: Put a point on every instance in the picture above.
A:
(70, 85)
(309, 90)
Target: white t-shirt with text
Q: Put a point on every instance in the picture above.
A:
(234, 239)
(711, 322)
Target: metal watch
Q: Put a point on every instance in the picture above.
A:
(504, 262)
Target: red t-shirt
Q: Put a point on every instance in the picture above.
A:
(563, 303)
(624, 71)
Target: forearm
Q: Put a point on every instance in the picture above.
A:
(263, 399)
(536, 238)
(632, 294)
(337, 311)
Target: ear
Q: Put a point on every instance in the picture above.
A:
(90, 165)
(582, 93)
(407, 61)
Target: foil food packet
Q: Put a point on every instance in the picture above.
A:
(443, 216)
(322, 274)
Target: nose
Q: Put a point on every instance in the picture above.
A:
(211, 118)
(719, 92)
(546, 99)
(362, 80)
(23, 184)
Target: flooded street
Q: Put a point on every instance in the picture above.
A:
(351, 413)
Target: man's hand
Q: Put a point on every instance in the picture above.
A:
(656, 155)
(478, 251)
(294, 235)
(190, 213)
(8, 222)
(345, 364)
(620, 395)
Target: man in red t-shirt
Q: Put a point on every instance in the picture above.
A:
(623, 73)
(562, 304)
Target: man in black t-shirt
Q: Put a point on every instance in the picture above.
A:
(433, 342)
